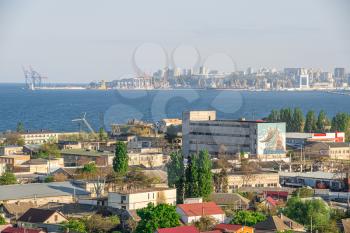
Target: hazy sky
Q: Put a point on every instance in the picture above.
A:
(81, 40)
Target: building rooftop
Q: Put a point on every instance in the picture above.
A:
(39, 190)
(228, 198)
(180, 229)
(20, 230)
(144, 190)
(317, 174)
(35, 215)
(82, 152)
(199, 209)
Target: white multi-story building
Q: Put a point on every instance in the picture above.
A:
(202, 131)
(137, 199)
(40, 137)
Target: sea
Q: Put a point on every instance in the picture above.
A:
(55, 109)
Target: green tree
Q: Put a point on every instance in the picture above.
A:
(274, 116)
(310, 122)
(75, 226)
(248, 218)
(8, 178)
(102, 134)
(99, 224)
(2, 220)
(315, 211)
(322, 121)
(298, 120)
(155, 217)
(89, 168)
(303, 192)
(286, 116)
(20, 127)
(49, 151)
(191, 174)
(341, 122)
(176, 174)
(49, 179)
(120, 161)
(205, 177)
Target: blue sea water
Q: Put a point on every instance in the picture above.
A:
(55, 109)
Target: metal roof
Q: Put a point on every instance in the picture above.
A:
(38, 190)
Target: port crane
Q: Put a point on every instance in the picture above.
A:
(32, 78)
(83, 120)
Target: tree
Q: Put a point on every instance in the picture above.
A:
(49, 150)
(2, 220)
(155, 217)
(315, 211)
(14, 139)
(205, 178)
(49, 179)
(205, 223)
(221, 181)
(191, 174)
(286, 116)
(274, 116)
(248, 218)
(303, 192)
(298, 120)
(89, 168)
(310, 122)
(20, 127)
(120, 161)
(75, 226)
(176, 174)
(102, 135)
(8, 178)
(99, 224)
(322, 121)
(341, 122)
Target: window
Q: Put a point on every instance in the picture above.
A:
(56, 218)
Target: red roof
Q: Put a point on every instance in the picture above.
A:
(199, 209)
(215, 231)
(182, 229)
(20, 230)
(271, 201)
(228, 227)
(277, 193)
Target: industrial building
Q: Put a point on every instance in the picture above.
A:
(202, 131)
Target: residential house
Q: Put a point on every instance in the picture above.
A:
(258, 179)
(193, 212)
(12, 161)
(75, 210)
(180, 229)
(41, 193)
(233, 228)
(137, 199)
(79, 157)
(11, 150)
(278, 223)
(146, 157)
(21, 230)
(328, 150)
(12, 211)
(40, 165)
(230, 200)
(42, 218)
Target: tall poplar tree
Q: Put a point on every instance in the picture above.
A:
(310, 122)
(298, 120)
(176, 174)
(120, 161)
(191, 185)
(322, 121)
(205, 178)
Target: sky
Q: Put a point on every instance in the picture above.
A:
(83, 40)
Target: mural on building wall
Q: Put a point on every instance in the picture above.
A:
(271, 138)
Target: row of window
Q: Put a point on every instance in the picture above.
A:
(218, 124)
(221, 134)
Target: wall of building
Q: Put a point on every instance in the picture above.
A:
(257, 180)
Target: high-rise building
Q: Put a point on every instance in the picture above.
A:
(202, 131)
(339, 72)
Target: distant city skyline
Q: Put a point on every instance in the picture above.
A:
(81, 41)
